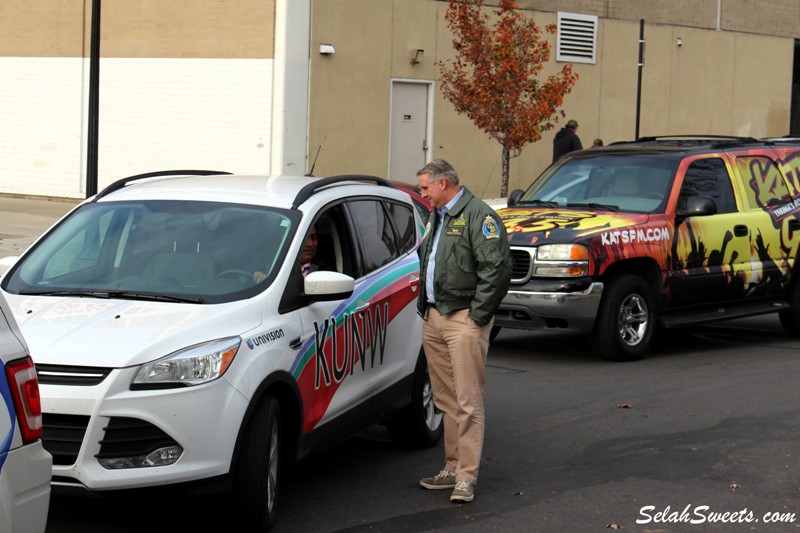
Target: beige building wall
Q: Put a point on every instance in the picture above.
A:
(349, 90)
(140, 28)
(715, 82)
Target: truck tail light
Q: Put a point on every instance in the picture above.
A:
(24, 386)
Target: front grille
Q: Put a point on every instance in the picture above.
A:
(131, 437)
(71, 375)
(521, 264)
(62, 436)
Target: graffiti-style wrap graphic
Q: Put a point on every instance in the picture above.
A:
(768, 190)
(528, 226)
(352, 339)
(765, 180)
(608, 236)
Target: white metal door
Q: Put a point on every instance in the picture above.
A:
(409, 130)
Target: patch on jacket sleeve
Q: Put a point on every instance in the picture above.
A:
(490, 228)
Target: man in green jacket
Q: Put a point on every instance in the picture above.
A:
(465, 269)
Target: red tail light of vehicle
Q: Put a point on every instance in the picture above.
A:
(24, 387)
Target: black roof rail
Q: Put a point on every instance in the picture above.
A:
(309, 190)
(697, 138)
(789, 139)
(122, 182)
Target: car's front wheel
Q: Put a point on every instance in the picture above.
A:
(420, 424)
(626, 320)
(258, 468)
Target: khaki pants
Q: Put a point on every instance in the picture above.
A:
(456, 350)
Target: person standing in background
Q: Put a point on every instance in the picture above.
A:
(566, 140)
(465, 271)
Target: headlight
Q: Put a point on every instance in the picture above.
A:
(561, 252)
(188, 367)
(561, 261)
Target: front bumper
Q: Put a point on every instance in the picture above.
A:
(203, 420)
(551, 305)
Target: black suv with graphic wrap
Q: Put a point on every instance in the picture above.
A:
(672, 231)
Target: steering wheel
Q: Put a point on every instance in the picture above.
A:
(243, 275)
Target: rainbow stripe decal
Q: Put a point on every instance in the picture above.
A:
(353, 339)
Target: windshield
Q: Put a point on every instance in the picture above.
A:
(202, 252)
(617, 183)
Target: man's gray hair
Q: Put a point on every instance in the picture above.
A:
(439, 168)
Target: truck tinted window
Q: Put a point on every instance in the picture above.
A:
(709, 177)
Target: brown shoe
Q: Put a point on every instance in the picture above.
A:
(442, 480)
(463, 493)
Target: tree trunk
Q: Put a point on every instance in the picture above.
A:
(504, 179)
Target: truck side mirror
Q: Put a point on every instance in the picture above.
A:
(698, 206)
(514, 197)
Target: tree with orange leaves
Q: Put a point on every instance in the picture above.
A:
(494, 76)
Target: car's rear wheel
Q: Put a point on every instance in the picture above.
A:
(420, 424)
(790, 320)
(626, 320)
(258, 468)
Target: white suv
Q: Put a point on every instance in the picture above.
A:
(162, 360)
(24, 464)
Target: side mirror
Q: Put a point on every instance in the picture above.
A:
(514, 197)
(698, 206)
(323, 285)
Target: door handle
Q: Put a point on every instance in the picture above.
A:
(362, 305)
(295, 343)
(424, 145)
(794, 224)
(740, 230)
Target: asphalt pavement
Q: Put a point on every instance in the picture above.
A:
(23, 220)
